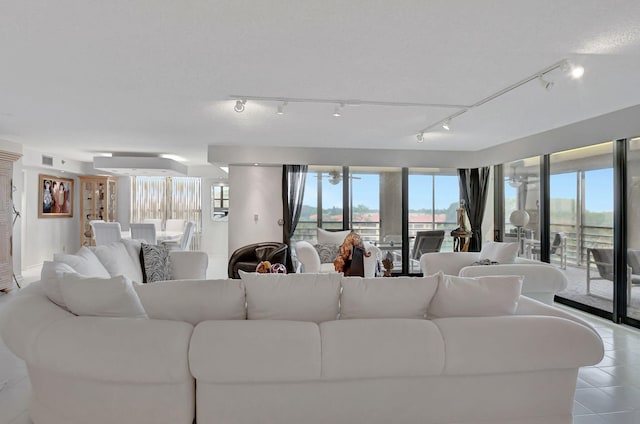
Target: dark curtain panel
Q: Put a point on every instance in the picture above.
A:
(293, 180)
(473, 189)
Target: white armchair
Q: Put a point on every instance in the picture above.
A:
(309, 259)
(541, 280)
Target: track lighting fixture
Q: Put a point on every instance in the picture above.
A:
(420, 137)
(281, 108)
(338, 110)
(239, 107)
(547, 84)
(575, 71)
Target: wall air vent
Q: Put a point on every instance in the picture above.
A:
(47, 160)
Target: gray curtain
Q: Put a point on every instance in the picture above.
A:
(293, 181)
(473, 189)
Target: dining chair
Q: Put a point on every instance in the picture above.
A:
(106, 232)
(145, 232)
(154, 221)
(185, 240)
(175, 225)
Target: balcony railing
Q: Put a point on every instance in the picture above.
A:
(583, 237)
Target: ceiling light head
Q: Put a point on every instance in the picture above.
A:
(338, 110)
(239, 107)
(281, 108)
(420, 137)
(574, 71)
(577, 72)
(446, 125)
(548, 85)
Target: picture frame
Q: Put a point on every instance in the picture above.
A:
(54, 203)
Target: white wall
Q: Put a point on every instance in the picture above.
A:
(215, 234)
(123, 205)
(42, 237)
(254, 190)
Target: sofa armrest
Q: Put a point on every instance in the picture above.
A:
(188, 265)
(450, 263)
(26, 316)
(538, 278)
(308, 257)
(529, 306)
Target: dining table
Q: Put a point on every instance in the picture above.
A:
(161, 236)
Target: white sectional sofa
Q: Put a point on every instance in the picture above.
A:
(541, 280)
(305, 348)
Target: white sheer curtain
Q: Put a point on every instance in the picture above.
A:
(168, 198)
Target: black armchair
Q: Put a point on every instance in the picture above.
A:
(248, 257)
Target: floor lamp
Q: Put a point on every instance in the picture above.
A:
(519, 219)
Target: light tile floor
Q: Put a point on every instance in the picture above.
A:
(608, 393)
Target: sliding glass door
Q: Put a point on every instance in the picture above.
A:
(581, 224)
(633, 229)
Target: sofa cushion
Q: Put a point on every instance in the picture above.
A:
(118, 261)
(296, 297)
(331, 237)
(327, 252)
(84, 262)
(255, 351)
(50, 278)
(401, 297)
(193, 301)
(154, 261)
(502, 253)
(371, 348)
(476, 297)
(104, 297)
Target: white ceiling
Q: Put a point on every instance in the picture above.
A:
(83, 77)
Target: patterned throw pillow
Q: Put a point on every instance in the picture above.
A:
(327, 252)
(155, 263)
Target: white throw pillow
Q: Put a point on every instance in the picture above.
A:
(401, 297)
(476, 297)
(102, 297)
(84, 262)
(503, 253)
(118, 261)
(296, 297)
(50, 280)
(332, 237)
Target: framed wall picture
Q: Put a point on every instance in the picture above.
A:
(55, 197)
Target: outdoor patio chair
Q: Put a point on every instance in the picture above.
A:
(603, 259)
(426, 242)
(558, 247)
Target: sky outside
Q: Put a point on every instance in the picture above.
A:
(366, 190)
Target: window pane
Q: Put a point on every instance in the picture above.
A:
(522, 193)
(581, 223)
(434, 196)
(365, 203)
